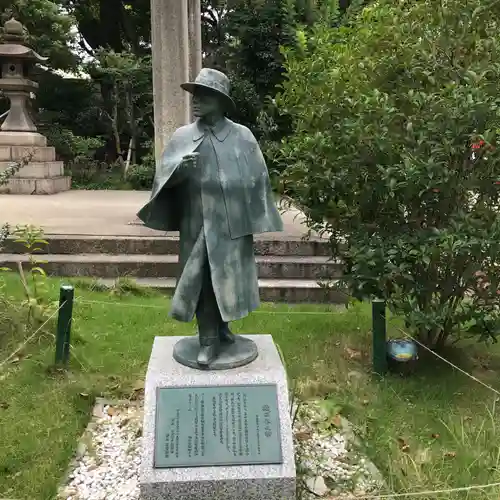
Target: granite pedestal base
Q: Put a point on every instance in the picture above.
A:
(241, 482)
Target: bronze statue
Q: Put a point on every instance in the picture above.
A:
(212, 185)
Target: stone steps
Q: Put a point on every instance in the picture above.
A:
(157, 266)
(292, 291)
(97, 234)
(292, 270)
(162, 245)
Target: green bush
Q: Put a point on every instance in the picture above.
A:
(95, 175)
(78, 154)
(70, 147)
(19, 317)
(4, 233)
(385, 112)
(141, 176)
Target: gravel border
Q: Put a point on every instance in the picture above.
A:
(329, 459)
(106, 463)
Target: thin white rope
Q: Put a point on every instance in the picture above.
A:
(448, 362)
(163, 308)
(319, 313)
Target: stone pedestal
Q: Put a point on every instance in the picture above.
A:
(42, 175)
(223, 482)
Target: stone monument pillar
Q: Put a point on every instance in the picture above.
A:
(176, 52)
(195, 47)
(19, 139)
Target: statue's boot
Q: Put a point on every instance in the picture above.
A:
(226, 335)
(208, 353)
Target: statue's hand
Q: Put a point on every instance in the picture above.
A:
(190, 160)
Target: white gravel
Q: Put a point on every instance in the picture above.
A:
(108, 457)
(329, 463)
(107, 463)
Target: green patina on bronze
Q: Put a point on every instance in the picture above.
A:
(216, 426)
(212, 186)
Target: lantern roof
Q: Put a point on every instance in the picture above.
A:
(13, 43)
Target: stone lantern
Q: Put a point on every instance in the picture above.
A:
(16, 60)
(19, 139)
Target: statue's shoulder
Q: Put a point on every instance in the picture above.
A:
(184, 131)
(178, 140)
(243, 132)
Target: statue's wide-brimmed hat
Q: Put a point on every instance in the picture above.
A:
(214, 80)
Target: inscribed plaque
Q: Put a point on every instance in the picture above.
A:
(224, 425)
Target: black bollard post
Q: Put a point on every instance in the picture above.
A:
(66, 297)
(379, 337)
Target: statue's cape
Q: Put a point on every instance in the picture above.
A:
(249, 200)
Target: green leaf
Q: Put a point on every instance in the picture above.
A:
(38, 270)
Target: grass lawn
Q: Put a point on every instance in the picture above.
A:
(434, 430)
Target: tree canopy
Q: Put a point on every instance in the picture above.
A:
(50, 29)
(110, 40)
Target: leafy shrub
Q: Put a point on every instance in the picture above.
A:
(141, 176)
(79, 155)
(4, 233)
(5, 306)
(385, 112)
(17, 317)
(9, 172)
(95, 175)
(70, 147)
(34, 281)
(13, 168)
(10, 326)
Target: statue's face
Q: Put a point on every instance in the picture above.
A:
(206, 102)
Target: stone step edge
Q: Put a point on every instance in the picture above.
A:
(291, 291)
(97, 237)
(92, 258)
(268, 244)
(169, 283)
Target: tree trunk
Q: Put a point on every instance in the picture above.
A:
(129, 156)
(115, 127)
(132, 126)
